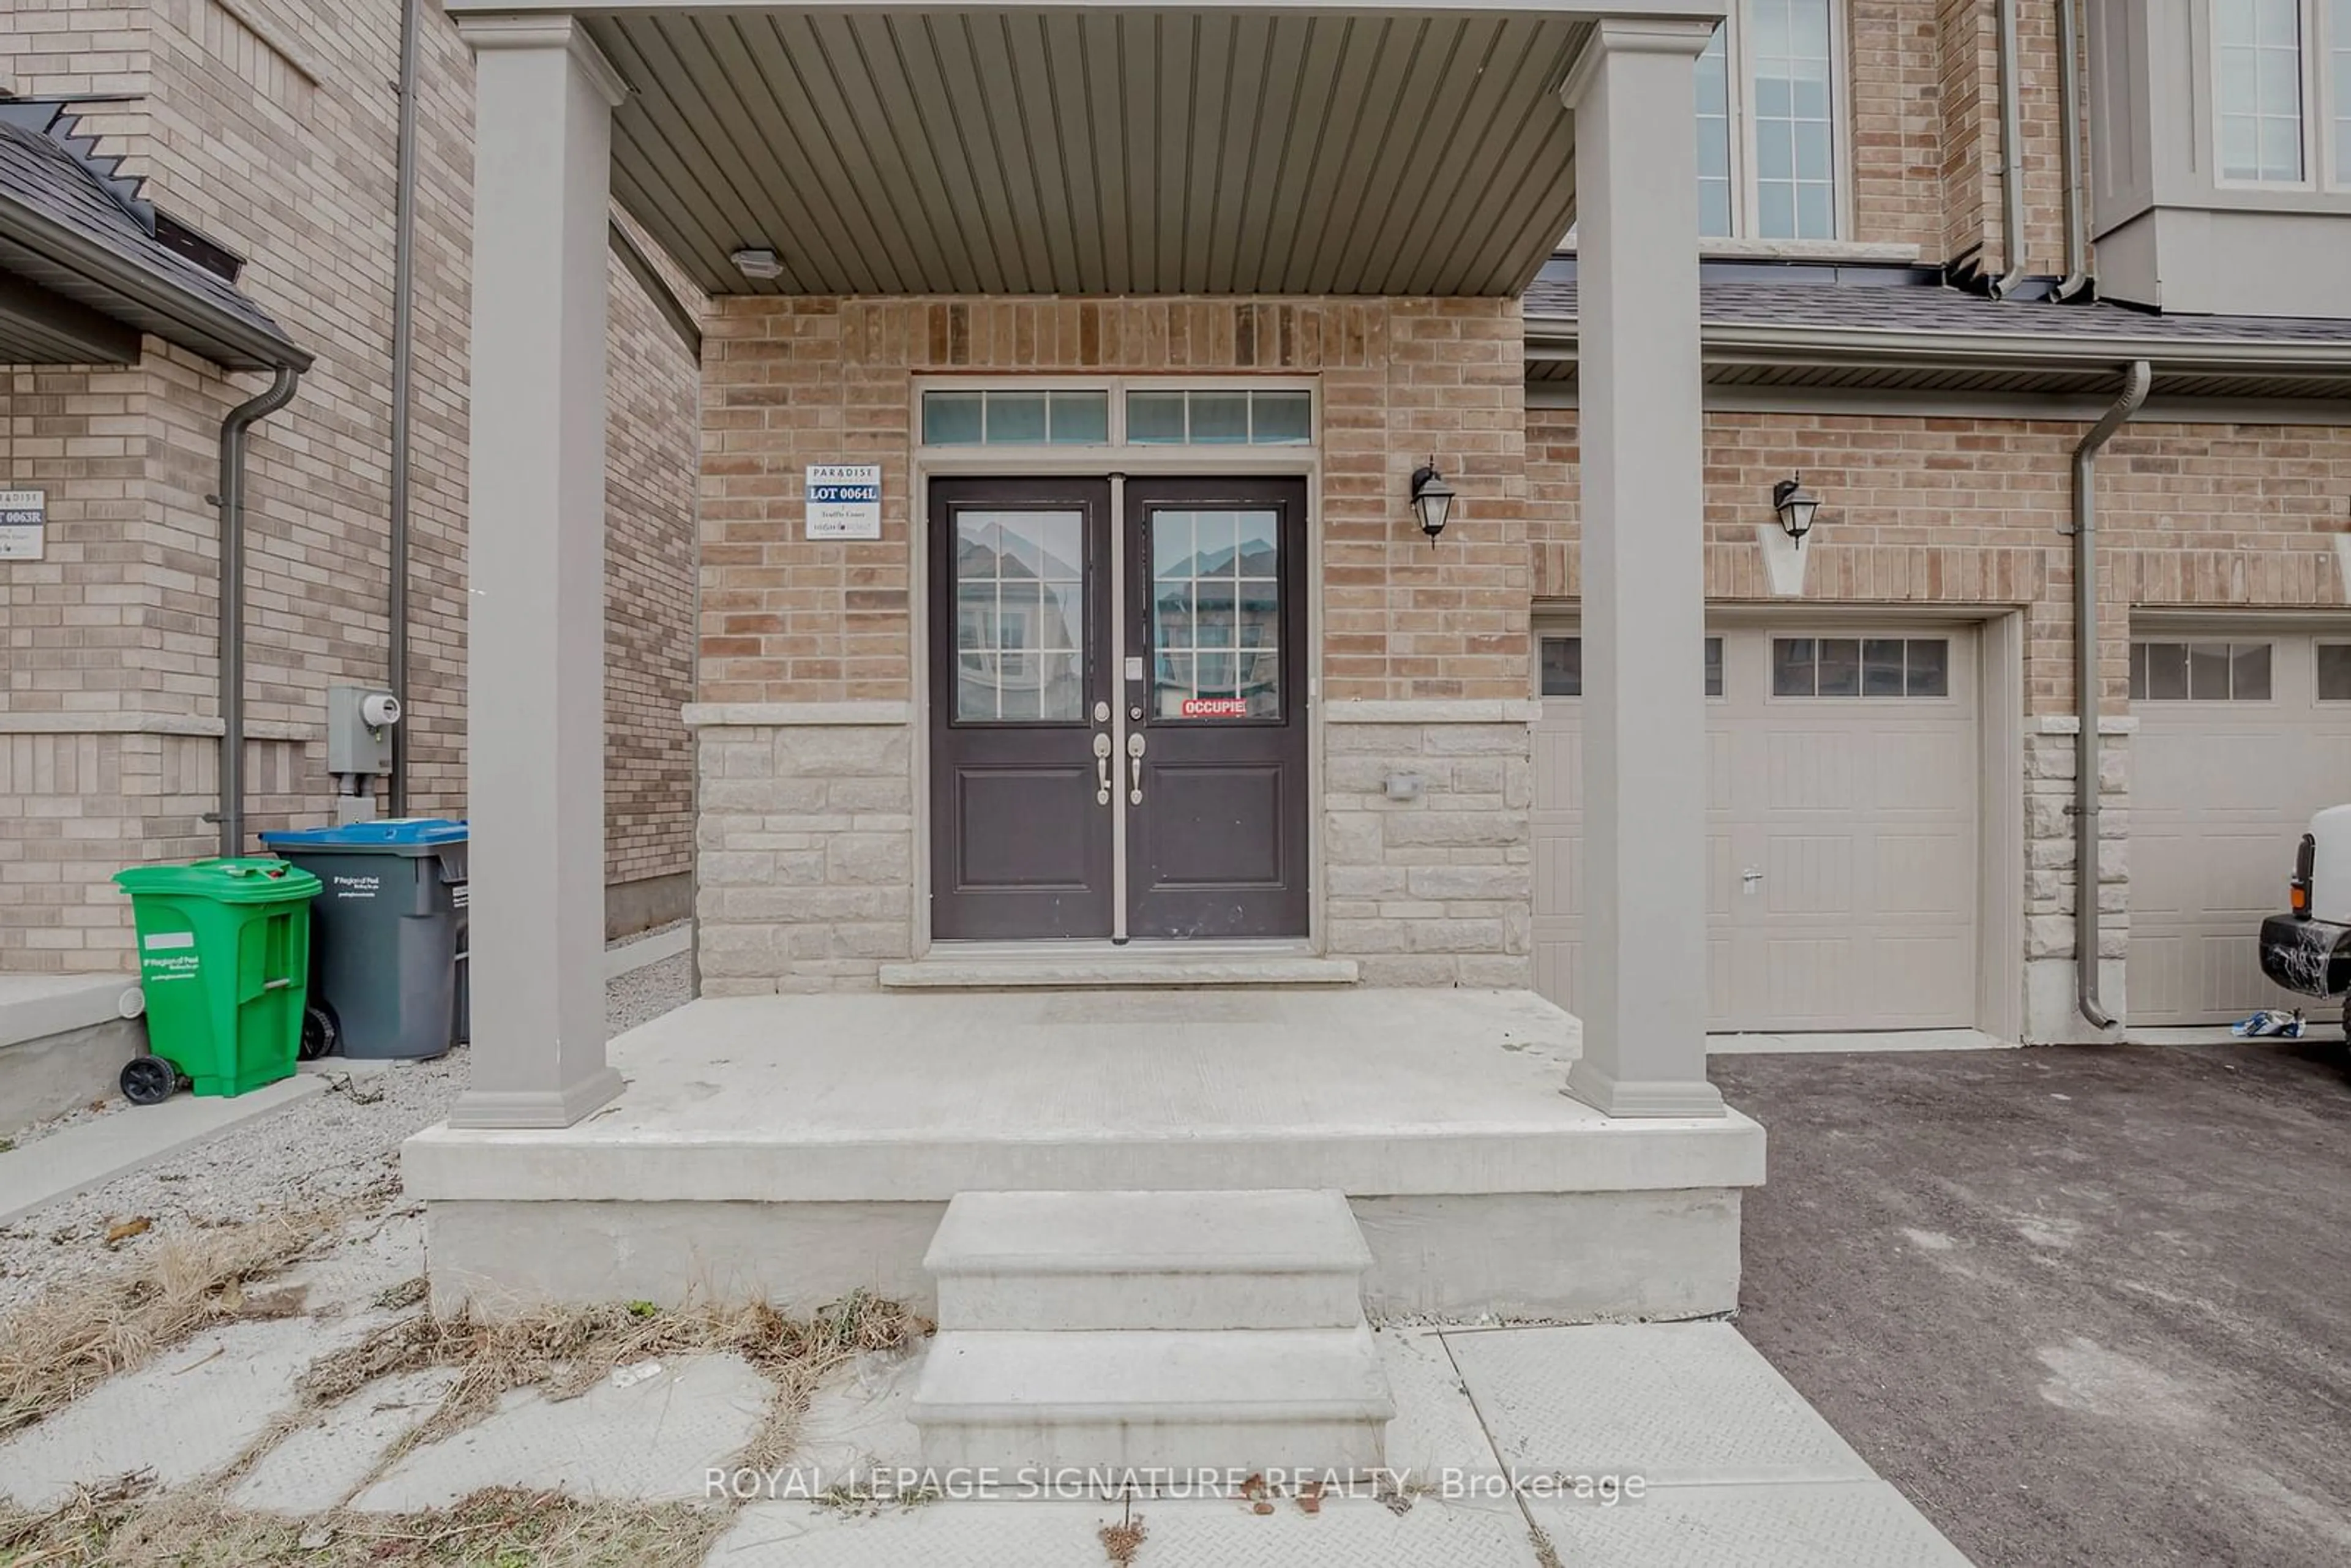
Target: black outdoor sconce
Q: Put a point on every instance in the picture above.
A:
(1797, 507)
(1432, 500)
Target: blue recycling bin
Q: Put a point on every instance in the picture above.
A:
(388, 935)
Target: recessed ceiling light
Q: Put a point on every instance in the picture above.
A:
(757, 262)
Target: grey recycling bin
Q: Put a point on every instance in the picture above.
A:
(387, 937)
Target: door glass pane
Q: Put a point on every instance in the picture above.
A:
(1840, 666)
(2248, 672)
(1881, 667)
(2167, 672)
(1019, 616)
(2335, 672)
(2207, 672)
(1216, 614)
(1791, 666)
(1931, 668)
(1563, 666)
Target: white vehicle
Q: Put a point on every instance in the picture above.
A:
(2308, 949)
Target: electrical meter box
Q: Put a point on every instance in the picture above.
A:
(359, 729)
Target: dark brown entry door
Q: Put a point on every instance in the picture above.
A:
(1020, 688)
(1215, 702)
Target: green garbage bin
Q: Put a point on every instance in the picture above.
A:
(223, 961)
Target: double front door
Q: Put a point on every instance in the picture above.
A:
(1117, 710)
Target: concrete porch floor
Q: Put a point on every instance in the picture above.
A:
(802, 1146)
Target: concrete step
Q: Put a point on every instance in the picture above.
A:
(1291, 1398)
(1071, 972)
(1201, 1261)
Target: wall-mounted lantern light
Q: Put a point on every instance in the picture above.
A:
(1432, 500)
(1796, 506)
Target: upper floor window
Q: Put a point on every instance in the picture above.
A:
(1768, 106)
(2282, 94)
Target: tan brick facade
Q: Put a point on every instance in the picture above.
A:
(270, 126)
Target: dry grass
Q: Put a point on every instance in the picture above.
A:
(60, 1348)
(566, 1351)
(125, 1525)
(1122, 1541)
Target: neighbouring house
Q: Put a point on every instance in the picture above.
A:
(1231, 658)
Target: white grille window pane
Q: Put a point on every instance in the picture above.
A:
(2248, 673)
(2207, 672)
(1282, 418)
(1016, 417)
(1714, 135)
(1079, 418)
(951, 419)
(1155, 418)
(2259, 63)
(2335, 672)
(1794, 120)
(1218, 417)
(2342, 52)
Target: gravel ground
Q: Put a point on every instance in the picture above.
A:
(2082, 1305)
(338, 1144)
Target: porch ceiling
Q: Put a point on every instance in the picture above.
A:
(1378, 149)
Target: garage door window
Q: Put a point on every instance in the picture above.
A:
(1861, 666)
(2335, 672)
(2200, 671)
(1561, 666)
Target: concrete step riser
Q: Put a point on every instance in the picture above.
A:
(1348, 1446)
(1299, 1299)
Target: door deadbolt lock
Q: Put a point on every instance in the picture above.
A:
(1101, 713)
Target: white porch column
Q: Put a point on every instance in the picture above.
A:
(1643, 984)
(534, 621)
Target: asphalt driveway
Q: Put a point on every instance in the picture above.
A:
(2082, 1305)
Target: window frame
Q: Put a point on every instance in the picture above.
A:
(2324, 167)
(2318, 647)
(2138, 682)
(1861, 636)
(1711, 641)
(1740, 68)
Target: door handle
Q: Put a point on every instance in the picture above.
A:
(1135, 759)
(1752, 878)
(1102, 769)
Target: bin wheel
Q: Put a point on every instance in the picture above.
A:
(149, 1080)
(320, 1032)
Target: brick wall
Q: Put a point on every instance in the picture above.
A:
(270, 125)
(792, 382)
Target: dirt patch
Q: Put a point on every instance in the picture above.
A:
(566, 1351)
(60, 1346)
(126, 1523)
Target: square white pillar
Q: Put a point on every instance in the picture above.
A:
(535, 612)
(1642, 988)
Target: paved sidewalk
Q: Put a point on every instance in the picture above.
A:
(1730, 1465)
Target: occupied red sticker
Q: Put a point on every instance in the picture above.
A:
(1216, 707)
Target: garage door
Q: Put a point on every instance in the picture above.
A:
(2240, 739)
(1842, 821)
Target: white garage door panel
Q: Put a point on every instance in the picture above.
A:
(2221, 791)
(1859, 816)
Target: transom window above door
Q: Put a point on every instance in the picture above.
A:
(2200, 671)
(1559, 666)
(1861, 666)
(1114, 413)
(1770, 122)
